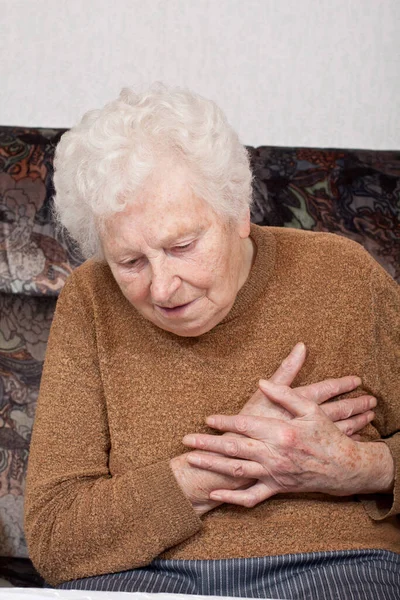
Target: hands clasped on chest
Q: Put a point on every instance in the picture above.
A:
(286, 440)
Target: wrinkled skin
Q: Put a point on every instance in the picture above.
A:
(306, 453)
(181, 269)
(209, 479)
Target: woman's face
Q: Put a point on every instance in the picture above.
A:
(177, 261)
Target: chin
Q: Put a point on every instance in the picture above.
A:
(187, 331)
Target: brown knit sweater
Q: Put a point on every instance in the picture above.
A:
(118, 394)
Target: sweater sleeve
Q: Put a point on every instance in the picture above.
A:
(79, 519)
(385, 294)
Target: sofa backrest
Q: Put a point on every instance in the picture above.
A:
(352, 193)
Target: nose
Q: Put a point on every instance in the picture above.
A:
(164, 283)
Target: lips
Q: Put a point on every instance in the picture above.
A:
(176, 306)
(176, 310)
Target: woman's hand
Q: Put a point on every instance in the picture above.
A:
(197, 483)
(350, 415)
(306, 454)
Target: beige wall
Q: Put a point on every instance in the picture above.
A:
(315, 72)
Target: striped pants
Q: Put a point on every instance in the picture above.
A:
(344, 575)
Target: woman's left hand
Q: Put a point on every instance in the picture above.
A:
(305, 454)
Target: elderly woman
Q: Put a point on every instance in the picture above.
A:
(157, 347)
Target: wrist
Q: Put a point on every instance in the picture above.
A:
(378, 468)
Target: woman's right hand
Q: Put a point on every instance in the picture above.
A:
(350, 415)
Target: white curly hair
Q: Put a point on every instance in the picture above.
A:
(101, 163)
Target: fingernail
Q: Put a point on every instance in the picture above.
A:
(373, 401)
(215, 496)
(357, 381)
(210, 421)
(264, 385)
(193, 459)
(190, 440)
(299, 349)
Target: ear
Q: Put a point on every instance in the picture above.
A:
(244, 224)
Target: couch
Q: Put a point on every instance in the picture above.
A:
(354, 193)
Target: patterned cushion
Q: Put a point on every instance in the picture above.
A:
(34, 258)
(24, 328)
(353, 193)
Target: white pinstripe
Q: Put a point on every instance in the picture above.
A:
(346, 575)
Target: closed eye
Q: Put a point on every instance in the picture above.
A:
(135, 262)
(131, 263)
(183, 247)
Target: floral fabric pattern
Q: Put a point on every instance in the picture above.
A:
(24, 329)
(355, 193)
(35, 258)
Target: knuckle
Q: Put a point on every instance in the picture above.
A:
(241, 424)
(232, 448)
(346, 408)
(366, 404)
(250, 500)
(237, 471)
(349, 429)
(201, 443)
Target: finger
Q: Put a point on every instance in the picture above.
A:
(249, 497)
(295, 403)
(290, 366)
(245, 425)
(350, 426)
(341, 410)
(239, 469)
(329, 388)
(228, 446)
(356, 438)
